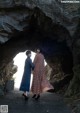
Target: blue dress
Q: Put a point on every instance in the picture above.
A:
(25, 83)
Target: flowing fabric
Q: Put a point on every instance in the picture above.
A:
(40, 83)
(25, 83)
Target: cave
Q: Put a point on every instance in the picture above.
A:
(54, 27)
(53, 39)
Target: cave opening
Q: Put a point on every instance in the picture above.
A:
(54, 27)
(19, 62)
(53, 39)
(58, 57)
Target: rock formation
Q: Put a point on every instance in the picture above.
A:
(48, 24)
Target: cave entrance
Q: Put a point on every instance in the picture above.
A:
(53, 38)
(19, 61)
(59, 62)
(56, 51)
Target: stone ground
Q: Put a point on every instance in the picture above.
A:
(48, 103)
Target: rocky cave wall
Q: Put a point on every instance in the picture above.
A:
(30, 24)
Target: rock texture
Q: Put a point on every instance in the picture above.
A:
(11, 14)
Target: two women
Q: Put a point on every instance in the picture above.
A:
(40, 83)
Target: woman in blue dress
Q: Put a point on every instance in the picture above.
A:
(25, 83)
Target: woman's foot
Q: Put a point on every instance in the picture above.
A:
(25, 96)
(34, 96)
(37, 97)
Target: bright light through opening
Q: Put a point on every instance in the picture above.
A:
(19, 60)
